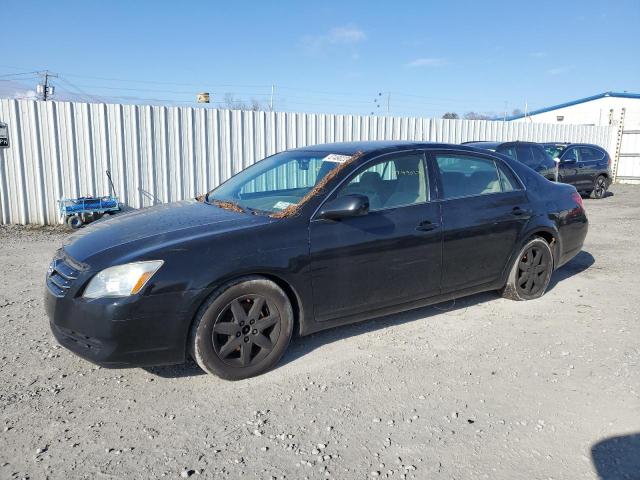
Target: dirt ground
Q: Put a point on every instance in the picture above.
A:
(478, 388)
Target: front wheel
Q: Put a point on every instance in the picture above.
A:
(531, 271)
(243, 329)
(599, 187)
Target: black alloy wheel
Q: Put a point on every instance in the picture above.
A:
(531, 271)
(533, 268)
(242, 329)
(600, 187)
(246, 330)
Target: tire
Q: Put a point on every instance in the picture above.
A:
(531, 271)
(600, 186)
(74, 221)
(243, 329)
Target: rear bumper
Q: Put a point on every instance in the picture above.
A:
(123, 332)
(573, 232)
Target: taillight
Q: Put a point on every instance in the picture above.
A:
(578, 199)
(609, 161)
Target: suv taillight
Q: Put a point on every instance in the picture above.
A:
(578, 199)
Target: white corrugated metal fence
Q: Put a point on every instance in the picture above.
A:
(162, 154)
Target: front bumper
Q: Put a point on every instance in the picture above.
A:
(134, 331)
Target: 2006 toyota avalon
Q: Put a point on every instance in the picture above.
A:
(305, 240)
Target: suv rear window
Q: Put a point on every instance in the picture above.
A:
(541, 157)
(525, 155)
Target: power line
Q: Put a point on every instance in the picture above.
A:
(18, 74)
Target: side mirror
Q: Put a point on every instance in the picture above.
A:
(347, 206)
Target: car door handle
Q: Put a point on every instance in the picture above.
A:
(427, 226)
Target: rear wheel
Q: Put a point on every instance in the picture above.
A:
(531, 271)
(243, 329)
(74, 221)
(599, 187)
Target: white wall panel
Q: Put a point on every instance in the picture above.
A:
(160, 154)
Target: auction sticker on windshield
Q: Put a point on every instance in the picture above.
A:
(334, 157)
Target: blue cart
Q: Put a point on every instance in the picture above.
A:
(77, 211)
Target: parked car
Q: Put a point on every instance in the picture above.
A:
(587, 167)
(533, 155)
(305, 240)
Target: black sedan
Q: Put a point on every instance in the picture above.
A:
(533, 155)
(306, 240)
(585, 166)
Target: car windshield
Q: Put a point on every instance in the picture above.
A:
(277, 182)
(554, 151)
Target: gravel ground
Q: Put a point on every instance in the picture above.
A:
(478, 388)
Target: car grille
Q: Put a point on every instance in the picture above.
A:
(60, 276)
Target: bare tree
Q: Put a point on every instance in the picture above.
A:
(517, 111)
(450, 115)
(233, 103)
(476, 116)
(256, 106)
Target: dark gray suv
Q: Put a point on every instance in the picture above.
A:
(533, 155)
(587, 167)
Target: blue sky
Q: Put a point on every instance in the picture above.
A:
(328, 56)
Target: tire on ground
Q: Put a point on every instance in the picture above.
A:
(510, 290)
(201, 340)
(598, 192)
(74, 221)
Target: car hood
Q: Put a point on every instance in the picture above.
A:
(156, 225)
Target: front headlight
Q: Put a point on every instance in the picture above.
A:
(122, 280)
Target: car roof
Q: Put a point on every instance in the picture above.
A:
(483, 144)
(493, 144)
(577, 144)
(350, 148)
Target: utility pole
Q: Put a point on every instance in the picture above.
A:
(44, 88)
(273, 89)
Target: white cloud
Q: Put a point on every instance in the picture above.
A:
(348, 35)
(26, 95)
(426, 62)
(558, 70)
(345, 35)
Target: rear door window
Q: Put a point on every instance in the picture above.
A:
(590, 154)
(464, 175)
(508, 180)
